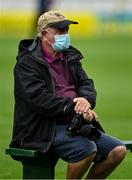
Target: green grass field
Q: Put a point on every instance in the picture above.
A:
(109, 62)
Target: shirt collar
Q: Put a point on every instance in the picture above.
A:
(50, 58)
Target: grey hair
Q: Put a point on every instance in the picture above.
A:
(40, 33)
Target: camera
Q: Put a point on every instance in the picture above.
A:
(79, 126)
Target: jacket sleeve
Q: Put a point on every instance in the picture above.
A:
(86, 86)
(33, 89)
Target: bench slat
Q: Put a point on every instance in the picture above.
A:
(21, 152)
(128, 144)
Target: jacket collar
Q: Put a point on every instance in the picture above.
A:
(35, 49)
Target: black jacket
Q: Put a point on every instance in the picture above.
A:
(36, 106)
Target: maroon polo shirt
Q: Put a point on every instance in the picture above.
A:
(64, 84)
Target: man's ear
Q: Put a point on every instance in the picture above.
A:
(43, 35)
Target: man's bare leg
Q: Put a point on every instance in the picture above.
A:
(103, 169)
(77, 170)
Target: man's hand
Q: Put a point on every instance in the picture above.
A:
(83, 107)
(90, 115)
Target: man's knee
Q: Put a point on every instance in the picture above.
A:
(117, 154)
(120, 152)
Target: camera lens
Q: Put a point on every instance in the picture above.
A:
(89, 131)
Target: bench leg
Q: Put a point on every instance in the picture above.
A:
(38, 168)
(38, 172)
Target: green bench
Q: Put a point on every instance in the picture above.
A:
(35, 165)
(38, 166)
(128, 144)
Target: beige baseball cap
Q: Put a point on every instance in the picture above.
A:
(53, 19)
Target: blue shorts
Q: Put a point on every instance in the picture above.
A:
(75, 148)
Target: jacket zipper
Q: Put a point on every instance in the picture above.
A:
(53, 85)
(72, 73)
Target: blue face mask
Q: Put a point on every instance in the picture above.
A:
(62, 42)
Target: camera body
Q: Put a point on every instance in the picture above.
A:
(79, 126)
